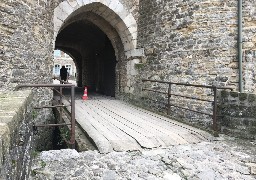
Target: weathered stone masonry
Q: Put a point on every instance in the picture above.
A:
(26, 42)
(26, 56)
(240, 114)
(191, 41)
(194, 41)
(17, 138)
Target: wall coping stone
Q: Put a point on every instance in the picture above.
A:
(13, 106)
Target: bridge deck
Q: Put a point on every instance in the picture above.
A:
(115, 125)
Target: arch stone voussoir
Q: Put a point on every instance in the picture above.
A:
(129, 20)
(106, 2)
(72, 3)
(65, 6)
(88, 1)
(120, 26)
(57, 24)
(60, 14)
(80, 2)
(113, 11)
(112, 4)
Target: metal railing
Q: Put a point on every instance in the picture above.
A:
(170, 94)
(60, 105)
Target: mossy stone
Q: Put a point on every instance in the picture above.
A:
(252, 130)
(243, 96)
(234, 94)
(224, 94)
(139, 65)
(251, 98)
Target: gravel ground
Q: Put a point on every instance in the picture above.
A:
(225, 158)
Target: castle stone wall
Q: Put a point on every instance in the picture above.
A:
(184, 41)
(18, 141)
(195, 41)
(26, 50)
(238, 112)
(192, 41)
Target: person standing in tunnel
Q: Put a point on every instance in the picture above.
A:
(63, 74)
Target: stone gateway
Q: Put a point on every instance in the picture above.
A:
(181, 41)
(115, 44)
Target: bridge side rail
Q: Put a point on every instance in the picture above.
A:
(169, 94)
(60, 105)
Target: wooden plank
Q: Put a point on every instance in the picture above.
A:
(116, 125)
(167, 136)
(194, 132)
(135, 123)
(119, 140)
(132, 131)
(182, 132)
(100, 141)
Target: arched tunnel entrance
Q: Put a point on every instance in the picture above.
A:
(101, 37)
(93, 54)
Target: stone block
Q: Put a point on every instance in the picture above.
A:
(132, 29)
(66, 7)
(251, 98)
(224, 94)
(252, 167)
(135, 53)
(87, 1)
(72, 3)
(80, 3)
(57, 24)
(113, 4)
(106, 2)
(126, 89)
(59, 14)
(248, 45)
(243, 96)
(5, 142)
(234, 94)
(127, 47)
(120, 26)
(129, 20)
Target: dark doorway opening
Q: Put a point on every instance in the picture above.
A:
(96, 62)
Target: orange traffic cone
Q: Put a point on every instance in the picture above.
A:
(85, 97)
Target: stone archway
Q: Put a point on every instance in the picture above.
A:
(113, 11)
(113, 19)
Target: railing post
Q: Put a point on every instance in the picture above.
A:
(214, 115)
(73, 121)
(169, 98)
(61, 110)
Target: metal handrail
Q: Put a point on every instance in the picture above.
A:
(187, 84)
(72, 104)
(169, 94)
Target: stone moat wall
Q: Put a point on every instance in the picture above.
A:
(18, 140)
(238, 112)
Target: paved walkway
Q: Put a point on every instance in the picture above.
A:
(117, 126)
(223, 159)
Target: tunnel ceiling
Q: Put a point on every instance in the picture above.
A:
(81, 32)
